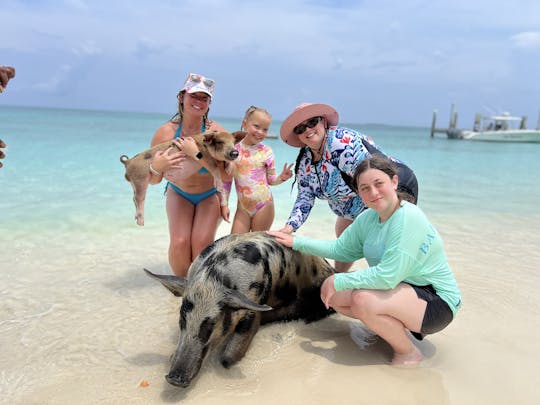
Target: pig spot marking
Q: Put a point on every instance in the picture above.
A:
(227, 321)
(314, 270)
(205, 331)
(248, 252)
(206, 250)
(245, 324)
(187, 307)
(147, 156)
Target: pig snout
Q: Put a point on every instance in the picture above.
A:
(177, 380)
(233, 154)
(184, 371)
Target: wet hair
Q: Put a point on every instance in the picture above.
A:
(252, 109)
(384, 164)
(177, 118)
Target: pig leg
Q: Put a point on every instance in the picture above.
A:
(139, 195)
(237, 344)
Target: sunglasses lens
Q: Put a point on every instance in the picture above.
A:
(208, 82)
(301, 128)
(312, 122)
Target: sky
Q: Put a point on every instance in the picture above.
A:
(376, 61)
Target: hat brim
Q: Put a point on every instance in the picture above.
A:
(300, 115)
(195, 90)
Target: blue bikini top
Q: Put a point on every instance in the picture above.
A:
(202, 170)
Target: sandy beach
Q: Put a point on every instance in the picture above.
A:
(102, 331)
(80, 322)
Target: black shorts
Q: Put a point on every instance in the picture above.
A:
(438, 314)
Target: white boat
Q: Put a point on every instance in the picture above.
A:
(496, 128)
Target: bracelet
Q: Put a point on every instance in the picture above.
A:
(154, 171)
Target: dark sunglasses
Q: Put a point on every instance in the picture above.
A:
(301, 128)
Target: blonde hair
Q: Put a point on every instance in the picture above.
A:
(251, 110)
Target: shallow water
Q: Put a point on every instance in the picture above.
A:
(81, 323)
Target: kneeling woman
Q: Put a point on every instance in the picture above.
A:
(409, 284)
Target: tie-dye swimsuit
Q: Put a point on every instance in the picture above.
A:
(253, 172)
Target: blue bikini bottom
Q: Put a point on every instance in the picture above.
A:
(192, 198)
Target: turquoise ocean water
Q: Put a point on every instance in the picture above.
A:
(81, 323)
(62, 169)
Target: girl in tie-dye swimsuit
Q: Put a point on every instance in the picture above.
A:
(254, 172)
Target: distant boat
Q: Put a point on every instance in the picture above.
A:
(495, 128)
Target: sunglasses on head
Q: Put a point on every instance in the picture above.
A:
(199, 78)
(301, 128)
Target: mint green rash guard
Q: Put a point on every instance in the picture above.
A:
(406, 248)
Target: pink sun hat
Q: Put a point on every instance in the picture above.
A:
(301, 113)
(198, 83)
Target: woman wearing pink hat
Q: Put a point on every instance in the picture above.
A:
(193, 207)
(326, 163)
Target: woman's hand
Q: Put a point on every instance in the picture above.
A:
(187, 145)
(284, 238)
(164, 160)
(327, 291)
(287, 229)
(225, 213)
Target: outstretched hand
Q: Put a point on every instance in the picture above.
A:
(281, 237)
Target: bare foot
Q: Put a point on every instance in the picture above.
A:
(412, 358)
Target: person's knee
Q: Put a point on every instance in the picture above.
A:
(363, 304)
(179, 243)
(199, 244)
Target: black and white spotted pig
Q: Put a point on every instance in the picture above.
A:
(236, 284)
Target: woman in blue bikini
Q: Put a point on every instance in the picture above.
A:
(193, 207)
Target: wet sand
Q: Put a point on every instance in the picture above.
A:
(81, 324)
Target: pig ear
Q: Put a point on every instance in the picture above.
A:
(208, 137)
(174, 284)
(239, 135)
(237, 300)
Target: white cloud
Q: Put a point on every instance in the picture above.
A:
(293, 45)
(529, 39)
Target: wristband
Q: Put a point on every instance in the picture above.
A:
(198, 156)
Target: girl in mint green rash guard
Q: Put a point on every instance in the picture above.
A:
(408, 284)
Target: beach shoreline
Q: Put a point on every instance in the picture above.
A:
(101, 349)
(80, 322)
